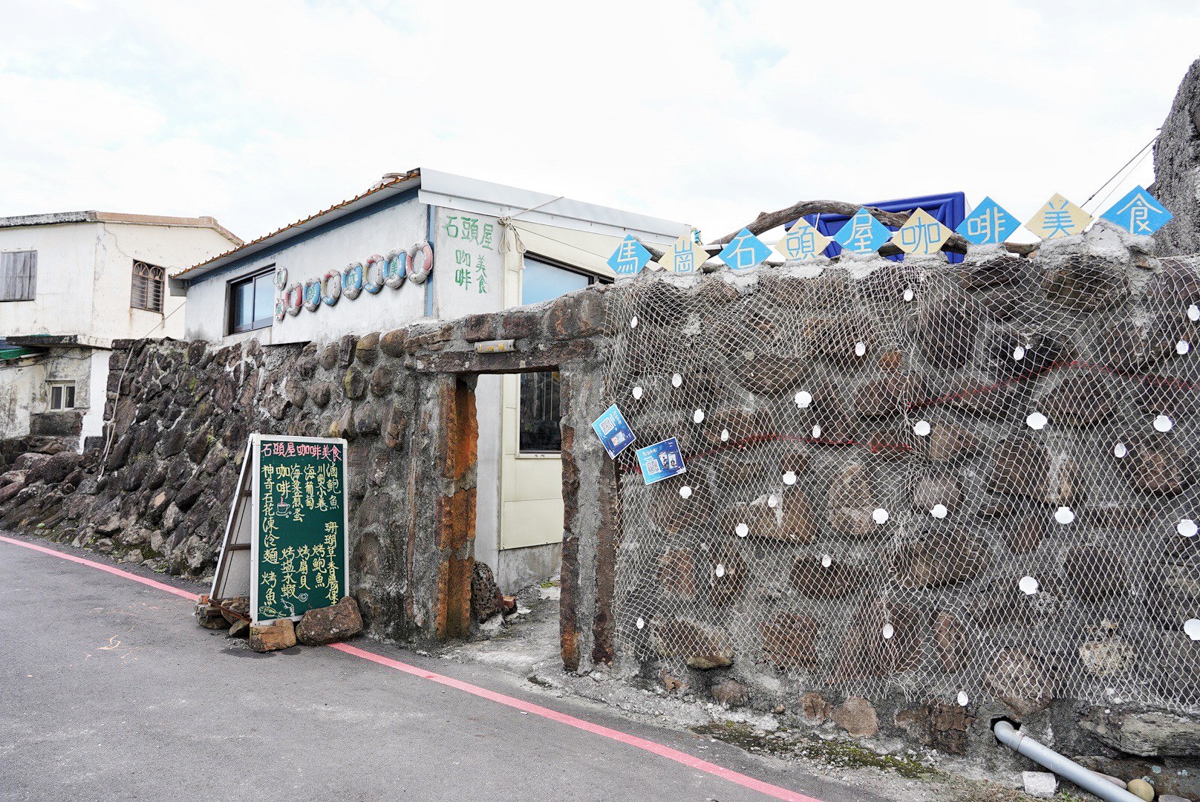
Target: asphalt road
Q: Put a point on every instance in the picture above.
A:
(108, 690)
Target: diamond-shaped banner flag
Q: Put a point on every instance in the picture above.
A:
(802, 242)
(989, 224)
(744, 251)
(1138, 213)
(862, 233)
(921, 235)
(1058, 218)
(629, 257)
(685, 256)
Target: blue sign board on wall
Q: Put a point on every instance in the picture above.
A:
(660, 461)
(613, 431)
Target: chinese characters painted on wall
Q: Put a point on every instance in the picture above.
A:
(471, 237)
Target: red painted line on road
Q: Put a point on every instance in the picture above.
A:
(596, 729)
(106, 568)
(683, 758)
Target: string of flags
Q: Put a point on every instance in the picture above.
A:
(1138, 212)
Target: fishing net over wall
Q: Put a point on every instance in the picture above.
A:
(960, 481)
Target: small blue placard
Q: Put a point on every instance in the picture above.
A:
(660, 461)
(989, 224)
(862, 233)
(629, 257)
(744, 251)
(1138, 213)
(613, 431)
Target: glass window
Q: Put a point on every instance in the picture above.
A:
(540, 432)
(252, 302)
(147, 291)
(541, 281)
(540, 413)
(62, 396)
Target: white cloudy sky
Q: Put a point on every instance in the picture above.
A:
(263, 111)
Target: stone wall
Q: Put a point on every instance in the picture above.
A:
(1177, 168)
(878, 454)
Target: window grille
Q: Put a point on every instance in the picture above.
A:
(147, 287)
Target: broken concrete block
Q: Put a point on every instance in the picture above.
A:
(1041, 784)
(330, 624)
(272, 637)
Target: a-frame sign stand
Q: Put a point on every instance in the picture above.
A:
(232, 579)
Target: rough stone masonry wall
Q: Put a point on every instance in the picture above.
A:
(959, 492)
(871, 591)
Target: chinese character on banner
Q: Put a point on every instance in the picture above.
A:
(1058, 218)
(802, 242)
(989, 224)
(684, 256)
(451, 227)
(862, 233)
(744, 251)
(629, 257)
(1138, 213)
(921, 234)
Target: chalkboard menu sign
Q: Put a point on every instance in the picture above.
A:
(299, 557)
(289, 517)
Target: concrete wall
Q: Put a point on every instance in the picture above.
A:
(16, 398)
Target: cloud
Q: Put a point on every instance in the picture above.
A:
(261, 113)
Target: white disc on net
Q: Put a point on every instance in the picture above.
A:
(1163, 424)
(789, 478)
(685, 491)
(1182, 347)
(720, 571)
(880, 516)
(742, 530)
(676, 380)
(804, 399)
(816, 431)
(860, 349)
(637, 393)
(772, 502)
(922, 428)
(1193, 313)
(1037, 421)
(908, 295)
(888, 631)
(939, 511)
(1018, 353)
(963, 699)
(1191, 628)
(1120, 450)
(1028, 585)
(698, 416)
(633, 321)
(826, 561)
(1187, 527)
(641, 622)
(724, 435)
(1064, 515)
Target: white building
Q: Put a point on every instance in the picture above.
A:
(70, 284)
(487, 247)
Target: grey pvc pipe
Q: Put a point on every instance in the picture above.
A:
(1064, 767)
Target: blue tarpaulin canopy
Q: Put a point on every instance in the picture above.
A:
(948, 209)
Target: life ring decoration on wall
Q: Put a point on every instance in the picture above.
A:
(372, 275)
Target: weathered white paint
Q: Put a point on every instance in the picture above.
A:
(84, 282)
(310, 257)
(16, 390)
(94, 394)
